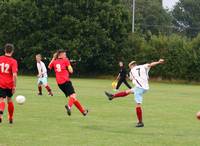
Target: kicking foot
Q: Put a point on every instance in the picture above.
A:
(68, 110)
(85, 112)
(0, 120)
(109, 95)
(139, 125)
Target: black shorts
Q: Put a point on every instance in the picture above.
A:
(5, 93)
(67, 88)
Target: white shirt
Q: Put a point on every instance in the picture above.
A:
(42, 70)
(140, 76)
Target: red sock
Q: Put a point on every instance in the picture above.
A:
(139, 114)
(2, 107)
(48, 88)
(79, 106)
(40, 89)
(71, 102)
(120, 94)
(10, 110)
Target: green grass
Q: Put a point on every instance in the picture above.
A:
(169, 117)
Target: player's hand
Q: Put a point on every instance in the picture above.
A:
(54, 55)
(13, 90)
(161, 61)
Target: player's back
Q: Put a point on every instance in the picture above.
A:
(8, 65)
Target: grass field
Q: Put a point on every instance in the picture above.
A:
(169, 117)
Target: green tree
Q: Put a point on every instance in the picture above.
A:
(187, 17)
(95, 31)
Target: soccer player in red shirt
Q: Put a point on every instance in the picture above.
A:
(8, 78)
(63, 69)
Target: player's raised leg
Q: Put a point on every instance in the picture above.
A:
(118, 95)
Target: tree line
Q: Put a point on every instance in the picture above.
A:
(97, 34)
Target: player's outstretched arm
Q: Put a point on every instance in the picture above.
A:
(161, 61)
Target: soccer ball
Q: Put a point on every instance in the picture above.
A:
(20, 99)
(198, 115)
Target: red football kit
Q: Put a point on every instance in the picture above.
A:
(60, 67)
(8, 66)
(62, 77)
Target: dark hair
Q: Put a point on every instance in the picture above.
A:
(38, 55)
(9, 48)
(59, 52)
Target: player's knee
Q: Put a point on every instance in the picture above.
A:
(9, 99)
(73, 96)
(129, 91)
(138, 104)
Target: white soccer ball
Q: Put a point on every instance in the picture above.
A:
(20, 99)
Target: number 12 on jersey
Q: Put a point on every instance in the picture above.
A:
(4, 67)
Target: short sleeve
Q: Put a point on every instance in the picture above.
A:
(38, 67)
(14, 67)
(51, 65)
(146, 66)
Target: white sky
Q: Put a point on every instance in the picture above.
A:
(169, 4)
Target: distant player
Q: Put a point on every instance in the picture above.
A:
(139, 76)
(8, 79)
(122, 76)
(63, 69)
(42, 75)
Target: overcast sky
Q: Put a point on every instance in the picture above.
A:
(169, 3)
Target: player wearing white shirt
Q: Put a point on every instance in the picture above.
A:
(139, 75)
(42, 75)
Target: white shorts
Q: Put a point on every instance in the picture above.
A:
(138, 93)
(42, 81)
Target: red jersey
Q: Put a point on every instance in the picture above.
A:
(61, 69)
(8, 66)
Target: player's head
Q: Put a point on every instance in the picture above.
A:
(121, 64)
(38, 57)
(9, 49)
(132, 64)
(61, 54)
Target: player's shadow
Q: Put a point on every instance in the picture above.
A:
(107, 129)
(131, 129)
